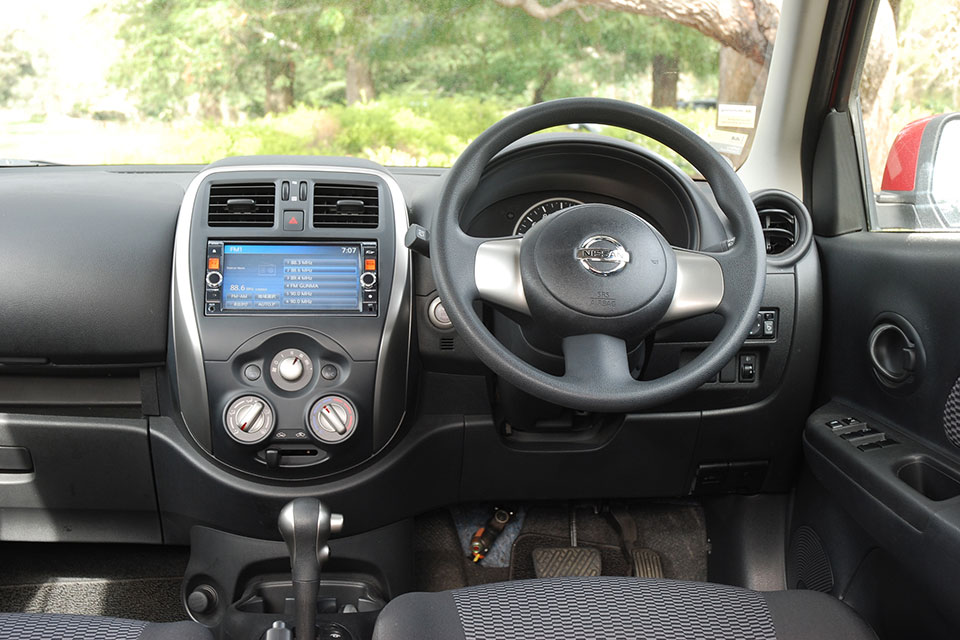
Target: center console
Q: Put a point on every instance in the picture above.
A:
(291, 326)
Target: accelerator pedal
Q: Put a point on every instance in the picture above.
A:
(646, 563)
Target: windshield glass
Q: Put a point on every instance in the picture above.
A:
(401, 82)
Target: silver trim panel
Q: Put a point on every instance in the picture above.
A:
(185, 329)
(497, 274)
(699, 285)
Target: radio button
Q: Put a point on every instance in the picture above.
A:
(214, 278)
(368, 280)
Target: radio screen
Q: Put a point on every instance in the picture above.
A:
(264, 277)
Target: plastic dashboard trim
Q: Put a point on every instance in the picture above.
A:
(187, 363)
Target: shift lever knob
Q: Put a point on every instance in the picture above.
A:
(306, 525)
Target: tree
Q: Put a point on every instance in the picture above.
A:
(749, 28)
(15, 65)
(241, 53)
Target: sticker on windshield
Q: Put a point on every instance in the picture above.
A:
(737, 116)
(728, 142)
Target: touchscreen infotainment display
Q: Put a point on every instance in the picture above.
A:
(288, 277)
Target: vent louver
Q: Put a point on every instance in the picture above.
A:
(242, 205)
(779, 229)
(346, 206)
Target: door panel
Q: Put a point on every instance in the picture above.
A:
(904, 498)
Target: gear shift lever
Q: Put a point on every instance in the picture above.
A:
(306, 525)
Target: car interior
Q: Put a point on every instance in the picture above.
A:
(560, 389)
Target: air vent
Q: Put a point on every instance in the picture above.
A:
(779, 229)
(242, 205)
(346, 206)
(787, 228)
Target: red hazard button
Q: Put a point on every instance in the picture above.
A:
(293, 220)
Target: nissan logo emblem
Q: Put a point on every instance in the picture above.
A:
(602, 255)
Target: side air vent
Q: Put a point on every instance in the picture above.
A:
(787, 227)
(779, 229)
(251, 204)
(346, 206)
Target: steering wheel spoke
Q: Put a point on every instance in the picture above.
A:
(497, 274)
(700, 284)
(597, 361)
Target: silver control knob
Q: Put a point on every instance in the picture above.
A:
(214, 279)
(332, 419)
(291, 369)
(368, 279)
(249, 419)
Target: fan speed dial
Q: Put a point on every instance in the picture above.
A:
(249, 419)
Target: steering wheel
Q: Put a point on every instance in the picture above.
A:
(597, 275)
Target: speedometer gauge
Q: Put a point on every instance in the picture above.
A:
(541, 210)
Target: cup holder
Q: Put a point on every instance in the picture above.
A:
(929, 481)
(335, 596)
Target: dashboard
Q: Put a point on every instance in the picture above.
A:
(257, 329)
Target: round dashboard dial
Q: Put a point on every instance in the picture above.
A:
(332, 419)
(291, 369)
(249, 419)
(541, 210)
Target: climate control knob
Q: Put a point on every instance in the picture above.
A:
(249, 419)
(332, 419)
(291, 369)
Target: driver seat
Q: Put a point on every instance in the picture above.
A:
(617, 609)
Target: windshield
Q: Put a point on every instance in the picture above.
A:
(401, 82)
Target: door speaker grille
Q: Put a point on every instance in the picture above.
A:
(808, 566)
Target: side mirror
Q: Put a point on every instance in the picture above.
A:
(920, 188)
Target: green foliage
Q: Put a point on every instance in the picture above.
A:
(15, 65)
(220, 59)
(411, 129)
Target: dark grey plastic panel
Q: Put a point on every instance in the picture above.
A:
(90, 253)
(914, 522)
(91, 481)
(419, 473)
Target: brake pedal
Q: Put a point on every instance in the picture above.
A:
(566, 562)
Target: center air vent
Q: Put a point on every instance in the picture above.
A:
(779, 229)
(242, 205)
(346, 206)
(786, 224)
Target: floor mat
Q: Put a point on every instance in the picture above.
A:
(152, 600)
(129, 581)
(675, 530)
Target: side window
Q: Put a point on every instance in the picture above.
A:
(909, 91)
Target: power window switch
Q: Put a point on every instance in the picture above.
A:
(748, 367)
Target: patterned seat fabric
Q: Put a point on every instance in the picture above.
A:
(610, 608)
(50, 626)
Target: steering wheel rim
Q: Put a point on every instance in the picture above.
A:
(597, 376)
